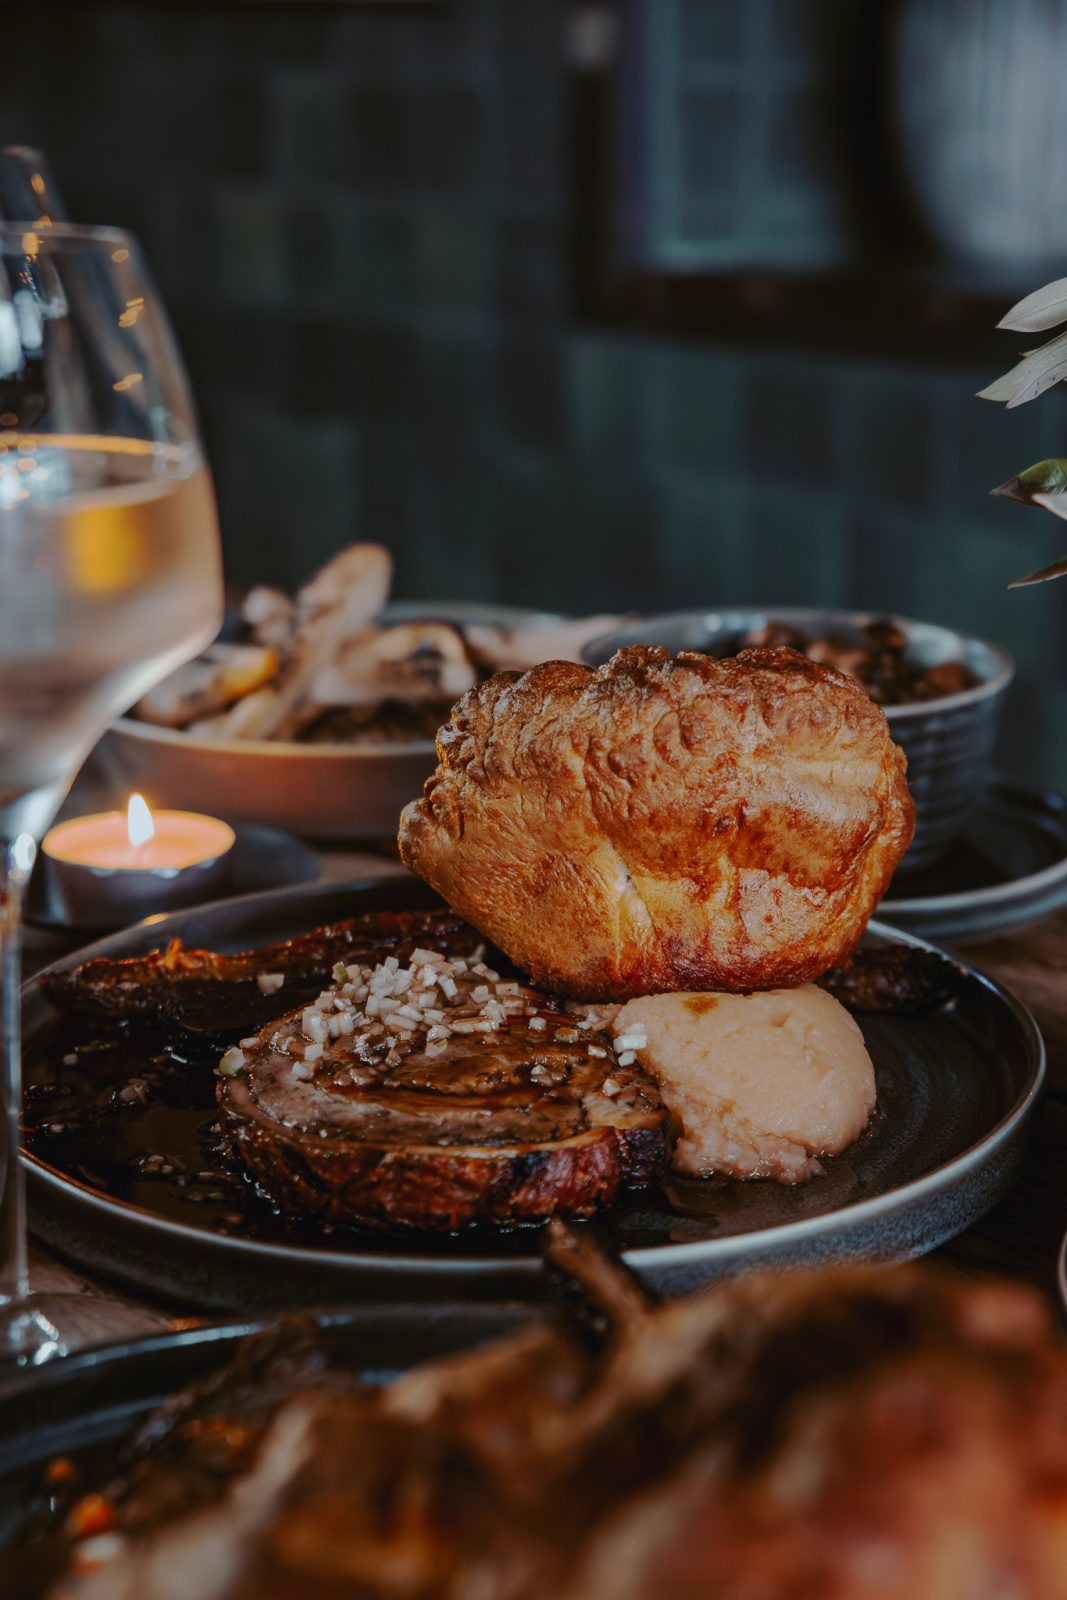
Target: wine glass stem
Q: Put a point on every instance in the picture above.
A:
(14, 1270)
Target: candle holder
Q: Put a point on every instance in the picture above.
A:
(95, 876)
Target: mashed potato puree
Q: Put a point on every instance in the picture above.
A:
(760, 1085)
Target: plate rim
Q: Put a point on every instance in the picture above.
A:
(997, 894)
(102, 1359)
(928, 1186)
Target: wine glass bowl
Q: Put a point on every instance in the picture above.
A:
(109, 559)
(110, 571)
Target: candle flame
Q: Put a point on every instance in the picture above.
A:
(139, 824)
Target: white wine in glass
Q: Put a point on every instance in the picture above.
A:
(110, 576)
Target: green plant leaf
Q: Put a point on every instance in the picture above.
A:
(1045, 477)
(1057, 570)
(1045, 308)
(1056, 503)
(1037, 371)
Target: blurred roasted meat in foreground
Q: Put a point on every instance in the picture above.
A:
(862, 1435)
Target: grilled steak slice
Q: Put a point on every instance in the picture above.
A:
(164, 978)
(437, 1095)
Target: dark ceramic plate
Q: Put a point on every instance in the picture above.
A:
(956, 1093)
(1009, 867)
(87, 1406)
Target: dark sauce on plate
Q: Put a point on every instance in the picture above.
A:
(128, 1109)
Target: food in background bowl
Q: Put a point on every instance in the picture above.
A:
(319, 715)
(875, 653)
(319, 668)
(327, 667)
(946, 731)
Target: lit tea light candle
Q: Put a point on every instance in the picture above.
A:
(116, 867)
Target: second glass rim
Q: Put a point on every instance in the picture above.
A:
(64, 233)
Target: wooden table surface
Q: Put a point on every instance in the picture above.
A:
(1019, 1239)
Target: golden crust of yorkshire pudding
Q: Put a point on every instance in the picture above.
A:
(665, 822)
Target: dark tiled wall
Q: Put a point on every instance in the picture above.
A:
(357, 217)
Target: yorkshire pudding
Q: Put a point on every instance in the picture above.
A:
(665, 822)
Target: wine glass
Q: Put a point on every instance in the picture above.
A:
(110, 576)
(28, 191)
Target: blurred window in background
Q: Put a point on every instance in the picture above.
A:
(733, 158)
(830, 173)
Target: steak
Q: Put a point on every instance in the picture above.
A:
(435, 1095)
(168, 980)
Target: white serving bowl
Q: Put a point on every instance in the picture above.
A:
(323, 791)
